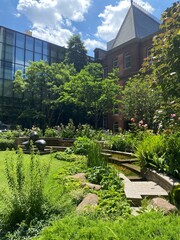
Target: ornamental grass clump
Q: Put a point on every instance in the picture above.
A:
(25, 199)
(95, 157)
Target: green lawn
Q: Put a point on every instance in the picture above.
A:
(65, 224)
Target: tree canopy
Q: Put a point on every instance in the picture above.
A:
(42, 85)
(91, 92)
(76, 53)
(166, 53)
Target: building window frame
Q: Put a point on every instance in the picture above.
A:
(127, 61)
(115, 62)
(116, 127)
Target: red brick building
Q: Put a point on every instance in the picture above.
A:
(127, 51)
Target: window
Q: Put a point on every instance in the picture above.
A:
(60, 54)
(53, 60)
(29, 43)
(28, 57)
(45, 58)
(1, 69)
(45, 48)
(105, 122)
(10, 37)
(9, 71)
(115, 62)
(1, 86)
(127, 61)
(20, 56)
(8, 88)
(19, 67)
(1, 51)
(2, 31)
(38, 46)
(9, 53)
(115, 127)
(20, 40)
(53, 51)
(37, 57)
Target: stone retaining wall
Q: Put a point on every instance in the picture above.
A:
(162, 180)
(51, 141)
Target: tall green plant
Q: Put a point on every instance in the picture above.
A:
(151, 152)
(95, 157)
(26, 181)
(173, 154)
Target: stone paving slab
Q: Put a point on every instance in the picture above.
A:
(135, 191)
(148, 188)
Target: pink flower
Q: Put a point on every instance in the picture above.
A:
(141, 122)
(132, 119)
(173, 115)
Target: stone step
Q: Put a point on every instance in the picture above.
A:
(128, 154)
(136, 178)
(120, 161)
(57, 148)
(136, 191)
(132, 167)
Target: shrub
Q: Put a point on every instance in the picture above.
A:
(26, 199)
(105, 176)
(120, 142)
(174, 195)
(151, 152)
(173, 154)
(7, 143)
(85, 131)
(50, 132)
(81, 145)
(68, 131)
(96, 174)
(113, 204)
(65, 156)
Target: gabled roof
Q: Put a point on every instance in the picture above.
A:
(137, 24)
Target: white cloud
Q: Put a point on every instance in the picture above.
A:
(52, 11)
(52, 19)
(113, 16)
(18, 15)
(56, 35)
(92, 44)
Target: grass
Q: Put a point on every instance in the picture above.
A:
(152, 225)
(14, 201)
(65, 224)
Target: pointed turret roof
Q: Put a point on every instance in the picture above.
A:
(138, 23)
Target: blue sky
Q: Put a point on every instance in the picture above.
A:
(97, 21)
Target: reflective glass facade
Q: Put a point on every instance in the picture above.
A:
(17, 50)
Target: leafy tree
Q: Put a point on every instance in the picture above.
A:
(76, 53)
(93, 94)
(164, 68)
(166, 53)
(155, 92)
(42, 85)
(140, 100)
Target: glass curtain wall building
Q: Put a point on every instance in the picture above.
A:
(16, 52)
